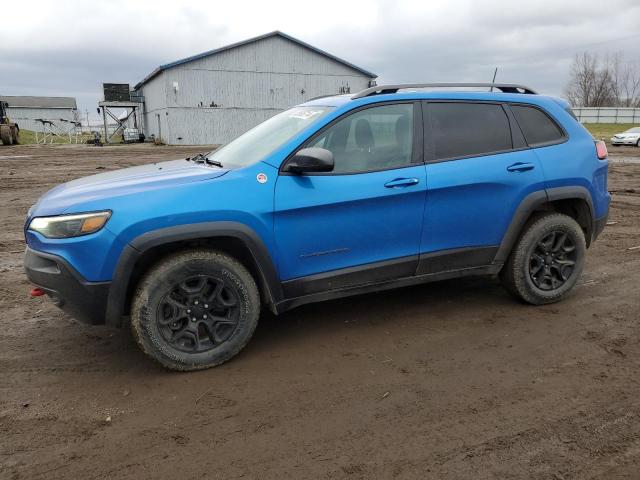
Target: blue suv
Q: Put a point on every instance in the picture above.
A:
(393, 186)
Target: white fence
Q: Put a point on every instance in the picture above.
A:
(607, 114)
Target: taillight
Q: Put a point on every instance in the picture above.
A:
(601, 149)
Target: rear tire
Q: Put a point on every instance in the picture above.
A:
(546, 261)
(194, 310)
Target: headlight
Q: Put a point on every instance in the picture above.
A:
(66, 226)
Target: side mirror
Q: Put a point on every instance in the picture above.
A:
(310, 160)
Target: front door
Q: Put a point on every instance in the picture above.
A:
(362, 222)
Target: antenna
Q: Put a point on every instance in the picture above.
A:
(495, 72)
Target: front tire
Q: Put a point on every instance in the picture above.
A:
(195, 309)
(547, 260)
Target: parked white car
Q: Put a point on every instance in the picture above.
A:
(630, 137)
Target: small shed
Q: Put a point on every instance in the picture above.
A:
(25, 111)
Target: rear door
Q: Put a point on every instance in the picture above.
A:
(478, 171)
(366, 215)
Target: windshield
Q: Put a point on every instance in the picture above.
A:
(257, 143)
(633, 130)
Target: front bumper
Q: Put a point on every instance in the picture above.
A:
(85, 301)
(624, 141)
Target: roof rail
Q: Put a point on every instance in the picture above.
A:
(503, 87)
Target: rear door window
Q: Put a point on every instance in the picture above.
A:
(468, 129)
(537, 127)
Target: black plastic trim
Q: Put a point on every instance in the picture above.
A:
(85, 301)
(530, 203)
(523, 212)
(517, 137)
(574, 191)
(598, 226)
(567, 193)
(455, 259)
(394, 273)
(290, 303)
(195, 231)
(352, 276)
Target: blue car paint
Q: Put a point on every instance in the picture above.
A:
(330, 222)
(471, 201)
(317, 224)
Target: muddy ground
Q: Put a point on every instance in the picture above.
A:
(448, 380)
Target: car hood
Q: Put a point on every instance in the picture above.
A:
(62, 198)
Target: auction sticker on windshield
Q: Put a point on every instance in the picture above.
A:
(304, 114)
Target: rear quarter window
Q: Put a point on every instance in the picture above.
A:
(537, 127)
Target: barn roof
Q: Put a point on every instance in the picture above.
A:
(276, 33)
(39, 102)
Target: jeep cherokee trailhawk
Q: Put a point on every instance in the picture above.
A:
(393, 186)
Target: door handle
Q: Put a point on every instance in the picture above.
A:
(521, 167)
(401, 182)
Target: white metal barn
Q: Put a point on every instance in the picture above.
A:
(213, 97)
(25, 111)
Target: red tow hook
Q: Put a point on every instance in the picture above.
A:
(37, 292)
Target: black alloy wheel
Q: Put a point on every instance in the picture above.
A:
(552, 261)
(198, 314)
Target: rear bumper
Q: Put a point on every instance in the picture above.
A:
(85, 301)
(598, 226)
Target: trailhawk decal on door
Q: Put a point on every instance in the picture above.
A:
(327, 252)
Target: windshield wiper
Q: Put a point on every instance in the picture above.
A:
(202, 158)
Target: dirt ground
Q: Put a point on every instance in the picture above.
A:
(447, 380)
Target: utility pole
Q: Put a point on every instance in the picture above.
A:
(88, 125)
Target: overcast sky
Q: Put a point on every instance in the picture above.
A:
(69, 48)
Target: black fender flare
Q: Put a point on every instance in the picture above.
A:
(527, 207)
(195, 231)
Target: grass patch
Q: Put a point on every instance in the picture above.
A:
(607, 130)
(28, 137)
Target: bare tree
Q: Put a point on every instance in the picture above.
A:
(591, 83)
(606, 81)
(626, 81)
